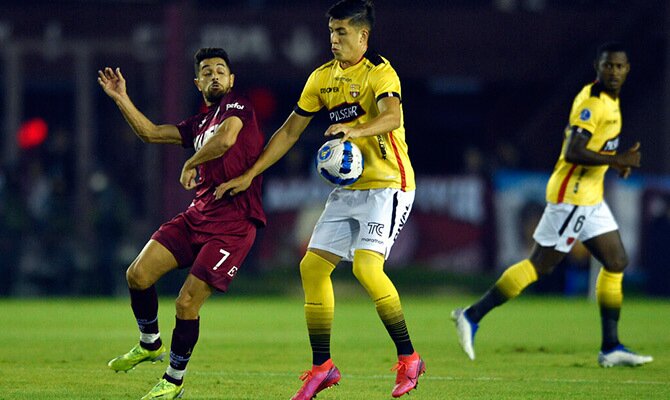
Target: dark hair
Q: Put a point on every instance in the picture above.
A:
(610, 47)
(210, 52)
(361, 12)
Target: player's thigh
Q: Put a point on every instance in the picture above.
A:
(326, 255)
(336, 228)
(561, 226)
(545, 259)
(192, 296)
(601, 236)
(381, 217)
(154, 261)
(608, 249)
(221, 257)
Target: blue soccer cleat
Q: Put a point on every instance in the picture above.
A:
(466, 331)
(621, 356)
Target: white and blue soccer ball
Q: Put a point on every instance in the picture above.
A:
(339, 163)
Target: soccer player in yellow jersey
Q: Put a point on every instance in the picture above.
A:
(361, 93)
(576, 210)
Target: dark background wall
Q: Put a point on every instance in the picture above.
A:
(487, 85)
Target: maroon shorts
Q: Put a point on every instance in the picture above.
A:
(213, 249)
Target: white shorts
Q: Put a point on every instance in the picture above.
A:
(563, 224)
(361, 219)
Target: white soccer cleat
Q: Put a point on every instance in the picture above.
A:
(465, 330)
(621, 356)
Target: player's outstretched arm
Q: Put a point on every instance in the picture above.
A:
(280, 143)
(113, 84)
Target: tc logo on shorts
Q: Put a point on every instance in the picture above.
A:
(232, 272)
(375, 228)
(585, 114)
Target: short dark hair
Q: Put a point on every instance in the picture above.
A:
(211, 52)
(361, 12)
(610, 47)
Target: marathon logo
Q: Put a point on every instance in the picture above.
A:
(346, 112)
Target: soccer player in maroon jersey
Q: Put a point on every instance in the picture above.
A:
(211, 236)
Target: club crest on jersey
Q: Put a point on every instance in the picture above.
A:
(354, 90)
(585, 114)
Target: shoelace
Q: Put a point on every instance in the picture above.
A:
(401, 367)
(162, 385)
(306, 375)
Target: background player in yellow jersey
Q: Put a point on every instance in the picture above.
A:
(361, 93)
(576, 210)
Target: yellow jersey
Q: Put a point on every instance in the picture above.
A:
(593, 110)
(350, 96)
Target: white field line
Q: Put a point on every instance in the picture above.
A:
(434, 378)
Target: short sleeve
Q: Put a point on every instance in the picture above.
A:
(309, 102)
(588, 114)
(241, 107)
(186, 131)
(385, 82)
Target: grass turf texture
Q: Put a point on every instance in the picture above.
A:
(256, 347)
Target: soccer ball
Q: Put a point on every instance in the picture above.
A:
(339, 163)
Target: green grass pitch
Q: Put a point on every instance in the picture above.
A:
(256, 347)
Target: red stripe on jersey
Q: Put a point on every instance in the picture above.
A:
(564, 184)
(403, 178)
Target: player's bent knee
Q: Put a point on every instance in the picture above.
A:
(186, 307)
(313, 266)
(366, 275)
(617, 265)
(544, 270)
(136, 279)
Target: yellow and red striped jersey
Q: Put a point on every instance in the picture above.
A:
(350, 96)
(595, 111)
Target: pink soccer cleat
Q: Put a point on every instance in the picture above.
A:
(409, 369)
(318, 378)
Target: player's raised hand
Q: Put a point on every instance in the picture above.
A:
(188, 178)
(628, 160)
(233, 186)
(113, 83)
(631, 157)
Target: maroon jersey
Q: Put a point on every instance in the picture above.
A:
(195, 131)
